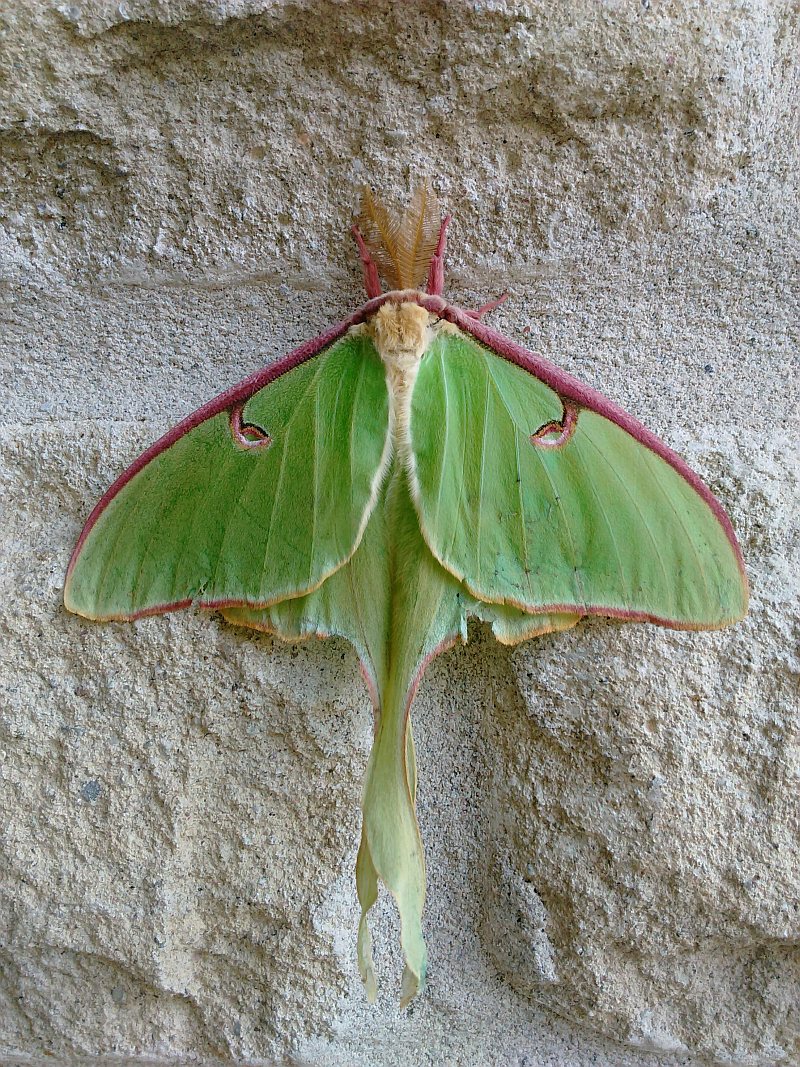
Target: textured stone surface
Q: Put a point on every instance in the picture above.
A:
(611, 816)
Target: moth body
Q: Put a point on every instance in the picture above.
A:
(401, 332)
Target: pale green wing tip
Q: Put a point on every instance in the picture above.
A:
(410, 986)
(412, 982)
(367, 889)
(366, 964)
(413, 945)
(414, 952)
(411, 939)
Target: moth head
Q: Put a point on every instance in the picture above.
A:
(401, 330)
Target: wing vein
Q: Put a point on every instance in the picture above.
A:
(483, 469)
(315, 508)
(158, 527)
(635, 504)
(589, 481)
(197, 514)
(336, 403)
(351, 432)
(462, 480)
(649, 458)
(522, 526)
(540, 457)
(281, 470)
(446, 441)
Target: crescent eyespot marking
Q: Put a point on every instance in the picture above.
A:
(543, 437)
(247, 434)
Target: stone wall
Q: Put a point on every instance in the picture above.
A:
(611, 815)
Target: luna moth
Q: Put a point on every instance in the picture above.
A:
(405, 470)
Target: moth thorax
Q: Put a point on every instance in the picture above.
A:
(401, 335)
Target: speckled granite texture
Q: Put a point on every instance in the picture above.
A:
(611, 816)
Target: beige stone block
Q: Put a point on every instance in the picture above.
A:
(611, 815)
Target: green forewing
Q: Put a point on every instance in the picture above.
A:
(600, 523)
(209, 519)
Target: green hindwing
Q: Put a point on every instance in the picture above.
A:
(598, 523)
(354, 603)
(397, 606)
(251, 505)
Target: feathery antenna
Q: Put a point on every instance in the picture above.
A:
(401, 246)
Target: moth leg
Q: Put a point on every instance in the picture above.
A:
(435, 283)
(484, 309)
(372, 282)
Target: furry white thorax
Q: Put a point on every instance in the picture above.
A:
(402, 333)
